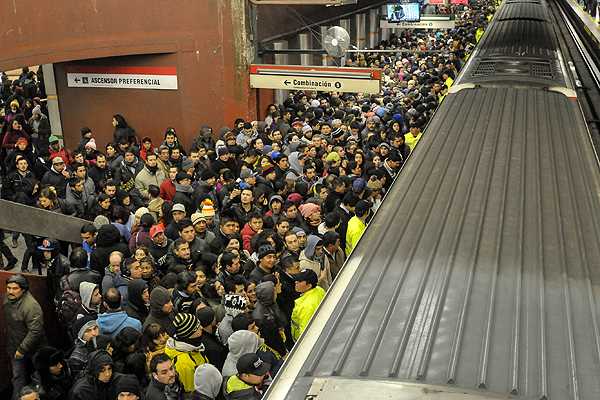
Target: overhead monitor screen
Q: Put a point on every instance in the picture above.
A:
(403, 12)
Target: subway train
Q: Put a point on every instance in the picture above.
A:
(479, 276)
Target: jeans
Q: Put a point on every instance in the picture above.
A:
(20, 375)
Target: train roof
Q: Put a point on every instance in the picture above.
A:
(480, 272)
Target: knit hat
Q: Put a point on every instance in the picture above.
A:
(58, 160)
(91, 144)
(187, 164)
(234, 304)
(141, 211)
(186, 325)
(83, 324)
(298, 231)
(100, 221)
(358, 185)
(374, 184)
(295, 198)
(53, 138)
(265, 250)
(208, 209)
(128, 384)
(47, 357)
(222, 150)
(197, 217)
(206, 316)
(14, 103)
(308, 209)
(159, 297)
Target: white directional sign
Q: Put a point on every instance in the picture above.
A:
(424, 23)
(327, 79)
(159, 78)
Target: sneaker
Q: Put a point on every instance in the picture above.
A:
(11, 264)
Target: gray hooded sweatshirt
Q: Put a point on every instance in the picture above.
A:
(86, 289)
(208, 380)
(240, 343)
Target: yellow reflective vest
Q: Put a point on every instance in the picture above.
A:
(304, 308)
(356, 227)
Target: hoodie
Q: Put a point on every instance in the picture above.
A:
(136, 308)
(86, 289)
(158, 298)
(266, 308)
(240, 343)
(111, 323)
(88, 386)
(186, 358)
(208, 381)
(320, 266)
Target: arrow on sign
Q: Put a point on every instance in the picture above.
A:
(286, 82)
(77, 80)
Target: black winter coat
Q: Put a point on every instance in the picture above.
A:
(107, 241)
(56, 179)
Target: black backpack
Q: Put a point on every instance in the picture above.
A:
(68, 304)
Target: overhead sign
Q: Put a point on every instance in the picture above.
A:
(424, 23)
(326, 79)
(157, 78)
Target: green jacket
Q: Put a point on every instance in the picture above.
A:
(26, 322)
(304, 308)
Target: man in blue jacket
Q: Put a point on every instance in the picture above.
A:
(115, 319)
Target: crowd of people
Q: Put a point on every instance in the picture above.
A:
(200, 266)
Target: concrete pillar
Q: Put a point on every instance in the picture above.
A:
(385, 33)
(373, 28)
(325, 59)
(346, 24)
(305, 43)
(360, 40)
(52, 100)
(281, 59)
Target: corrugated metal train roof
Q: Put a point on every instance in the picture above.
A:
(482, 269)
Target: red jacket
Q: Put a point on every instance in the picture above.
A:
(167, 190)
(247, 235)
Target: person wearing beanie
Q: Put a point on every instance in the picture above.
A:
(207, 382)
(85, 330)
(267, 258)
(215, 351)
(234, 305)
(40, 127)
(161, 310)
(185, 348)
(128, 388)
(23, 314)
(52, 375)
(184, 192)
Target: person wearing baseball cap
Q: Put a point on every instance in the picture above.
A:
(160, 244)
(185, 348)
(246, 384)
(305, 306)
